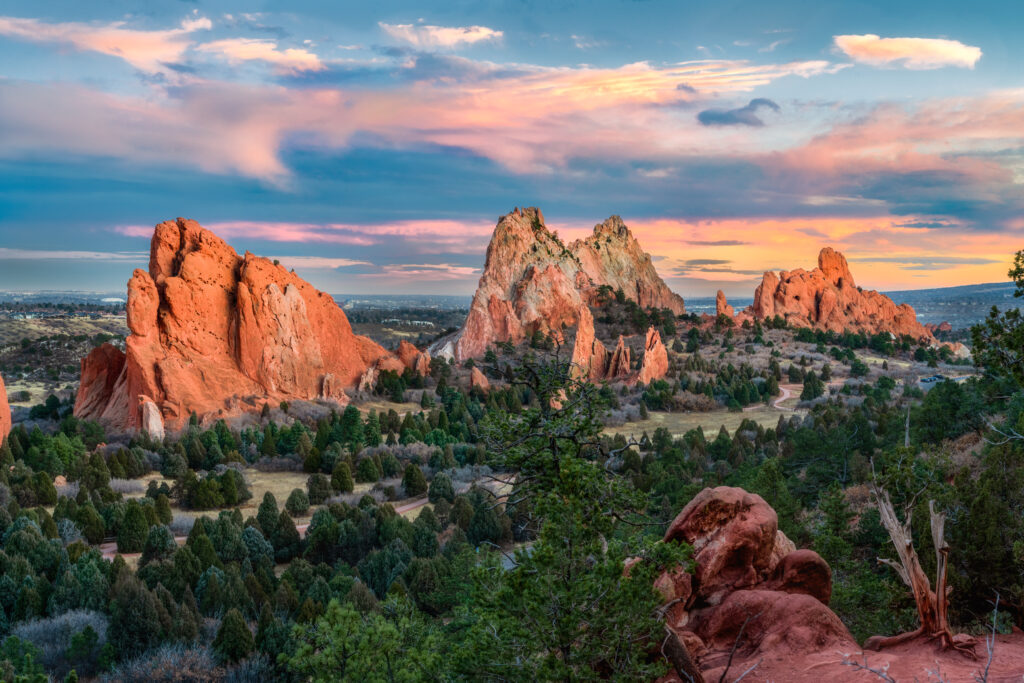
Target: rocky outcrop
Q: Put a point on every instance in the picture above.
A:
(217, 334)
(654, 363)
(755, 600)
(746, 576)
(619, 365)
(478, 380)
(612, 256)
(413, 359)
(5, 413)
(533, 282)
(827, 297)
(722, 306)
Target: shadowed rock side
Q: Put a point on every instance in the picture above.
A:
(827, 297)
(591, 360)
(5, 412)
(533, 282)
(217, 334)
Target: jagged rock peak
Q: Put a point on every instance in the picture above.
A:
(532, 281)
(218, 334)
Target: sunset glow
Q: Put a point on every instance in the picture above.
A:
(378, 150)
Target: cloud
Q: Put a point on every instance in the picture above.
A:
(317, 262)
(240, 50)
(913, 53)
(705, 262)
(744, 116)
(65, 255)
(148, 51)
(561, 113)
(717, 243)
(425, 36)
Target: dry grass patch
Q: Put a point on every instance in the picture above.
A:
(679, 423)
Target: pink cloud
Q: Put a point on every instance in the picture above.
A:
(148, 51)
(240, 50)
(913, 53)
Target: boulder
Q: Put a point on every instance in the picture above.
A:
(828, 298)
(5, 413)
(747, 579)
(216, 333)
(722, 306)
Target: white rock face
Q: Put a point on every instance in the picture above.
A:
(152, 421)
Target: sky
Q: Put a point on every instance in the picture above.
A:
(372, 146)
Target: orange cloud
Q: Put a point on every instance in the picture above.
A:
(913, 53)
(240, 50)
(148, 51)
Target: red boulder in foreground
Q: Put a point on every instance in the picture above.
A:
(749, 578)
(218, 334)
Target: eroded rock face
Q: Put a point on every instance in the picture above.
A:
(654, 364)
(722, 306)
(216, 333)
(5, 412)
(413, 359)
(533, 282)
(612, 256)
(827, 297)
(478, 380)
(747, 576)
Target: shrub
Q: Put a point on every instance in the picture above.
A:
(53, 638)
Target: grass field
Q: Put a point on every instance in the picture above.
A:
(13, 331)
(680, 423)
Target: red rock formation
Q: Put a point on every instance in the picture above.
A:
(654, 363)
(478, 380)
(5, 413)
(612, 256)
(722, 306)
(217, 334)
(414, 359)
(619, 363)
(745, 577)
(827, 297)
(533, 282)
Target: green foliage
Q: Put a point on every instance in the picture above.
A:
(234, 640)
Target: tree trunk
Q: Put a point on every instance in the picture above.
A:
(932, 607)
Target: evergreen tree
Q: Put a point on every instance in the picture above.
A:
(413, 481)
(234, 640)
(131, 536)
(341, 478)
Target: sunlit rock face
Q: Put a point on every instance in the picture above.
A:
(218, 334)
(5, 412)
(827, 297)
(533, 282)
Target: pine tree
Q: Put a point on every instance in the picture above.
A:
(341, 478)
(131, 536)
(413, 481)
(234, 639)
